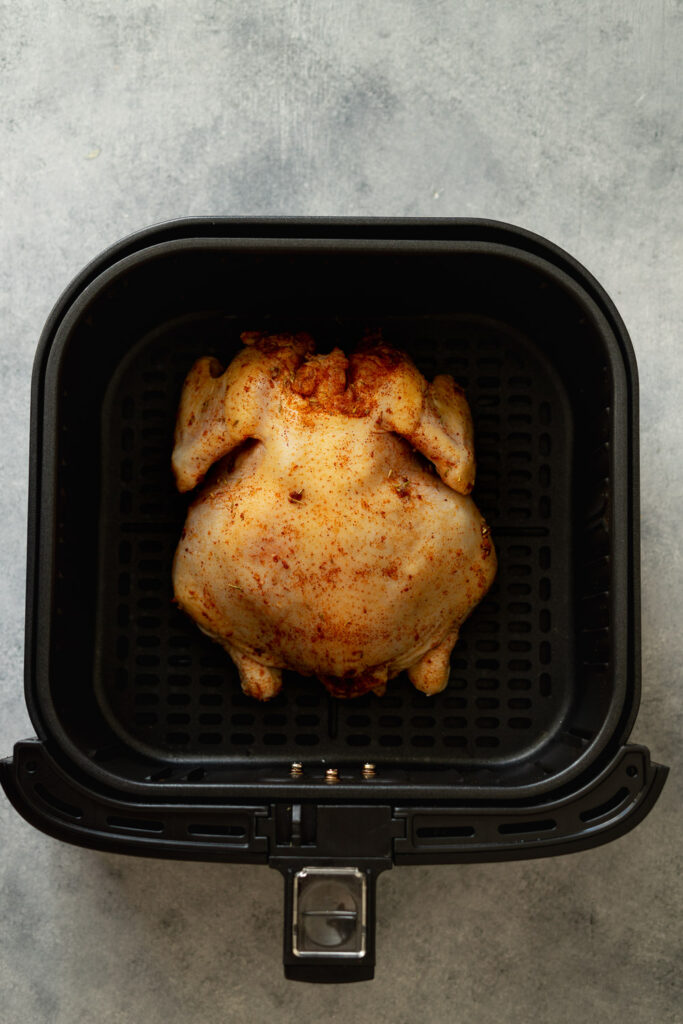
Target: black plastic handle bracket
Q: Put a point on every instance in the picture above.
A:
(597, 810)
(329, 928)
(330, 857)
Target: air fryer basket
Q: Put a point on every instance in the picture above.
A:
(146, 743)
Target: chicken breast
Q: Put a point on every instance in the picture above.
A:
(334, 535)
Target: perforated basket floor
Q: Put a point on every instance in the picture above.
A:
(168, 690)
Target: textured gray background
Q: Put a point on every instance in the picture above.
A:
(562, 117)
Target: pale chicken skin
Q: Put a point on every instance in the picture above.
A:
(322, 541)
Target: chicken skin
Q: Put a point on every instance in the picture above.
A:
(334, 534)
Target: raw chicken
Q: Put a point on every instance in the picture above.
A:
(322, 541)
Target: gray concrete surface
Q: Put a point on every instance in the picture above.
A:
(563, 118)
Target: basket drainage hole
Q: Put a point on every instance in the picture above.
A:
(211, 738)
(196, 775)
(390, 741)
(274, 739)
(306, 740)
(631, 771)
(31, 767)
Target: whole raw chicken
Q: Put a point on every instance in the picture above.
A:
(322, 541)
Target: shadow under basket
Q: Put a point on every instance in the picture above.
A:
(146, 743)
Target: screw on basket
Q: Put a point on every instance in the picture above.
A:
(296, 769)
(368, 770)
(332, 775)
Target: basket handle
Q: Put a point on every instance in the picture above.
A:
(329, 927)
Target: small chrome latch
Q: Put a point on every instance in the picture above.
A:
(329, 912)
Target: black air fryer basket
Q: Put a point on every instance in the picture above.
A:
(146, 743)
